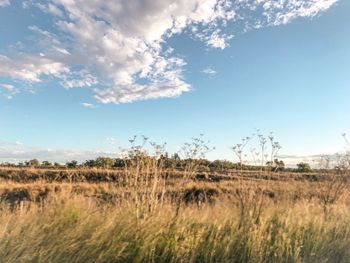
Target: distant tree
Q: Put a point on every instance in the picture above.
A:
(119, 163)
(57, 164)
(175, 161)
(33, 163)
(280, 165)
(166, 155)
(8, 164)
(104, 162)
(304, 167)
(276, 165)
(176, 157)
(222, 165)
(90, 163)
(46, 163)
(72, 164)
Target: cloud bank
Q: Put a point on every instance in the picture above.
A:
(4, 3)
(14, 152)
(119, 49)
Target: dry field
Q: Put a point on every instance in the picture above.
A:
(145, 213)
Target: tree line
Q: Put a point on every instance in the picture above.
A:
(172, 162)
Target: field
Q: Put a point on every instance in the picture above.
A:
(147, 213)
(105, 109)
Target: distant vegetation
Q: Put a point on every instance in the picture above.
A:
(262, 156)
(169, 162)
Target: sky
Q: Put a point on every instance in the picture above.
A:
(79, 78)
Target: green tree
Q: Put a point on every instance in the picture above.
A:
(33, 163)
(276, 165)
(279, 165)
(72, 164)
(119, 163)
(46, 163)
(90, 163)
(304, 167)
(104, 162)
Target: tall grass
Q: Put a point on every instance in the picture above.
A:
(75, 229)
(144, 216)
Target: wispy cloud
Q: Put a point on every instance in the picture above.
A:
(120, 49)
(7, 87)
(209, 71)
(89, 105)
(315, 160)
(8, 90)
(293, 160)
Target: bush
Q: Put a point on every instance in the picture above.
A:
(304, 167)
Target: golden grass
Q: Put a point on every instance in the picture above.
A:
(147, 218)
(78, 230)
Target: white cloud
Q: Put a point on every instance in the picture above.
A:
(4, 3)
(215, 39)
(78, 79)
(8, 90)
(209, 71)
(17, 151)
(45, 7)
(89, 105)
(30, 68)
(52, 155)
(50, 8)
(7, 87)
(130, 51)
(282, 12)
(62, 50)
(316, 160)
(119, 48)
(19, 143)
(218, 41)
(293, 160)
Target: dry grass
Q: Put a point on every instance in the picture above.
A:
(79, 230)
(147, 214)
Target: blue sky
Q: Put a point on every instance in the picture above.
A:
(79, 78)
